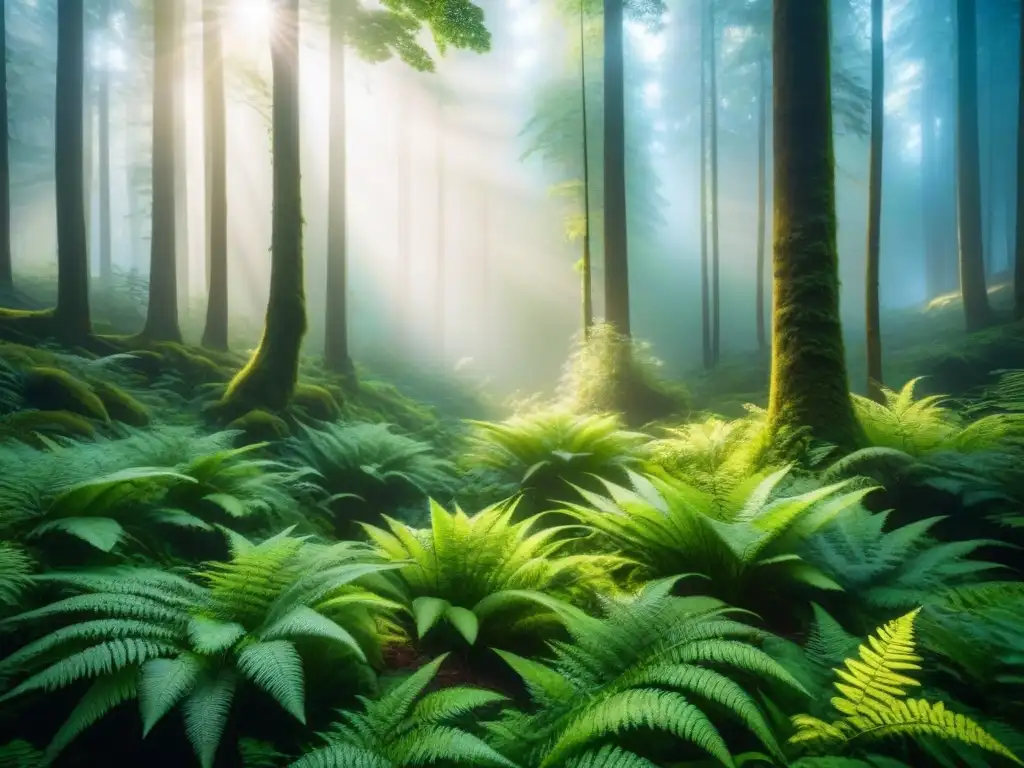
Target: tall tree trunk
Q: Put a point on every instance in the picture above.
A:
(181, 244)
(215, 334)
(1018, 260)
(87, 154)
(716, 308)
(586, 266)
(440, 298)
(72, 312)
(269, 379)
(929, 181)
(6, 264)
(977, 312)
(762, 160)
(404, 222)
(705, 287)
(162, 312)
(873, 323)
(808, 381)
(106, 263)
(616, 246)
(336, 351)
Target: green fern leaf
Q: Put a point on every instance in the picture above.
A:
(210, 636)
(427, 611)
(103, 533)
(206, 711)
(449, 703)
(341, 755)
(104, 694)
(276, 667)
(464, 621)
(162, 684)
(609, 756)
(305, 622)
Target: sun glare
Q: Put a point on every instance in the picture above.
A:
(252, 19)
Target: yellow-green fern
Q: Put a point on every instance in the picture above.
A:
(872, 703)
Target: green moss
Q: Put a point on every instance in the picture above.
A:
(121, 406)
(24, 356)
(192, 365)
(260, 426)
(26, 426)
(51, 389)
(316, 401)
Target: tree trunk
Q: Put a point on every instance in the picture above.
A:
(929, 180)
(705, 288)
(586, 266)
(106, 263)
(269, 379)
(181, 244)
(808, 381)
(336, 351)
(72, 312)
(440, 310)
(716, 308)
(1018, 261)
(762, 160)
(162, 312)
(616, 247)
(404, 223)
(6, 264)
(87, 146)
(215, 334)
(977, 312)
(873, 322)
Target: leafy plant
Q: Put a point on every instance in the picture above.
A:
(748, 548)
(544, 453)
(486, 576)
(655, 663)
(405, 728)
(15, 567)
(872, 703)
(171, 641)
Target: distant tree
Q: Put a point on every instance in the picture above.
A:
(808, 382)
(6, 268)
(162, 312)
(977, 312)
(1018, 263)
(103, 120)
(215, 334)
(616, 246)
(873, 320)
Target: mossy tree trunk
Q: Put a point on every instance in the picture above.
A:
(616, 246)
(72, 312)
(977, 312)
(762, 161)
(336, 349)
(103, 118)
(872, 319)
(1018, 261)
(269, 378)
(162, 312)
(808, 382)
(215, 334)
(716, 308)
(6, 265)
(705, 288)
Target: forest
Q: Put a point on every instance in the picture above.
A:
(551, 384)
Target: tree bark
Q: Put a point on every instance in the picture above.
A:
(269, 378)
(336, 349)
(716, 308)
(809, 381)
(6, 262)
(616, 246)
(162, 312)
(215, 334)
(105, 255)
(873, 321)
(181, 240)
(977, 312)
(586, 265)
(1018, 260)
(440, 277)
(705, 287)
(762, 160)
(72, 312)
(404, 223)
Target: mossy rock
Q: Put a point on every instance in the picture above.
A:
(258, 426)
(121, 406)
(316, 401)
(51, 389)
(26, 426)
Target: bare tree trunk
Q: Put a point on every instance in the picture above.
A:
(162, 313)
(716, 303)
(336, 348)
(977, 312)
(872, 320)
(1018, 260)
(6, 264)
(215, 334)
(586, 266)
(705, 289)
(181, 242)
(106, 264)
(72, 312)
(616, 244)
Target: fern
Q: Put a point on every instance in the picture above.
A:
(872, 702)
